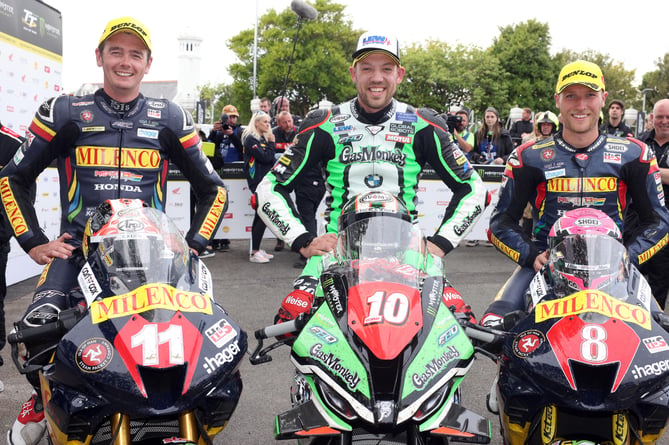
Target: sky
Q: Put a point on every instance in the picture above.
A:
(633, 36)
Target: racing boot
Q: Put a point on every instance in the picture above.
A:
(30, 425)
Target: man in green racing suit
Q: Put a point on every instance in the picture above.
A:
(371, 143)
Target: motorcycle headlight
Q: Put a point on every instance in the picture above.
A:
(337, 402)
(300, 392)
(432, 403)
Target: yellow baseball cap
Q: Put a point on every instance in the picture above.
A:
(127, 24)
(580, 72)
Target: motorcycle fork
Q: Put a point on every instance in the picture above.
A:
(120, 423)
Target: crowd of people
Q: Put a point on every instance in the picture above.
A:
(281, 162)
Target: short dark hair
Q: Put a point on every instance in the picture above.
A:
(620, 103)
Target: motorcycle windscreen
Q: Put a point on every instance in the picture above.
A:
(385, 316)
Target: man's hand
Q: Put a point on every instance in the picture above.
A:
(435, 250)
(540, 260)
(320, 245)
(57, 248)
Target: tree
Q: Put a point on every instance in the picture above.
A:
(440, 76)
(320, 60)
(527, 67)
(219, 95)
(658, 81)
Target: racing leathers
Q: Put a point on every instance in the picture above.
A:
(103, 150)
(555, 177)
(363, 152)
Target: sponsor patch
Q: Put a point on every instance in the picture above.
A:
(406, 117)
(655, 344)
(149, 297)
(94, 355)
(592, 300)
(527, 342)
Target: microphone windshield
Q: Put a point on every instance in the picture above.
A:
(303, 10)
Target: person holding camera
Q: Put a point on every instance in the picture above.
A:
(458, 125)
(226, 137)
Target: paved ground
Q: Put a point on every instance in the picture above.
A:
(251, 293)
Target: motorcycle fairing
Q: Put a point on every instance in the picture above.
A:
(385, 316)
(322, 349)
(574, 340)
(444, 354)
(163, 345)
(311, 418)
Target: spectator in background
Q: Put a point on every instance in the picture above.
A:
(656, 268)
(546, 124)
(258, 141)
(226, 136)
(265, 105)
(615, 125)
(309, 188)
(521, 128)
(493, 144)
(281, 103)
(463, 136)
(284, 134)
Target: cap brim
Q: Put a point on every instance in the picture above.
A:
(592, 86)
(362, 54)
(130, 31)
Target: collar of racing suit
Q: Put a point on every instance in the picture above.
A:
(372, 118)
(116, 106)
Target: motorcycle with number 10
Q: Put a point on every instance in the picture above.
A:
(148, 356)
(381, 359)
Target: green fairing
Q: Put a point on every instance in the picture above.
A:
(434, 359)
(324, 319)
(440, 412)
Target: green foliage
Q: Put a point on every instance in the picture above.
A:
(321, 58)
(658, 81)
(526, 66)
(516, 70)
(440, 76)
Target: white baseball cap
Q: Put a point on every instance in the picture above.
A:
(375, 42)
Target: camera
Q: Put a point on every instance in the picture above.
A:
(224, 121)
(453, 120)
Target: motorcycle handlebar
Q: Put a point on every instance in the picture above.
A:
(37, 334)
(260, 355)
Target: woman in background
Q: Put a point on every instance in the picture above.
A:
(258, 141)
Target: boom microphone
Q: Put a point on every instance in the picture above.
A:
(303, 10)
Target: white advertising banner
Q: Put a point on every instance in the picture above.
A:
(433, 197)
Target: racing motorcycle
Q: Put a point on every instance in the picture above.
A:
(148, 356)
(588, 362)
(381, 359)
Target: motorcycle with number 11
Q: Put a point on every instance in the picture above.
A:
(148, 356)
